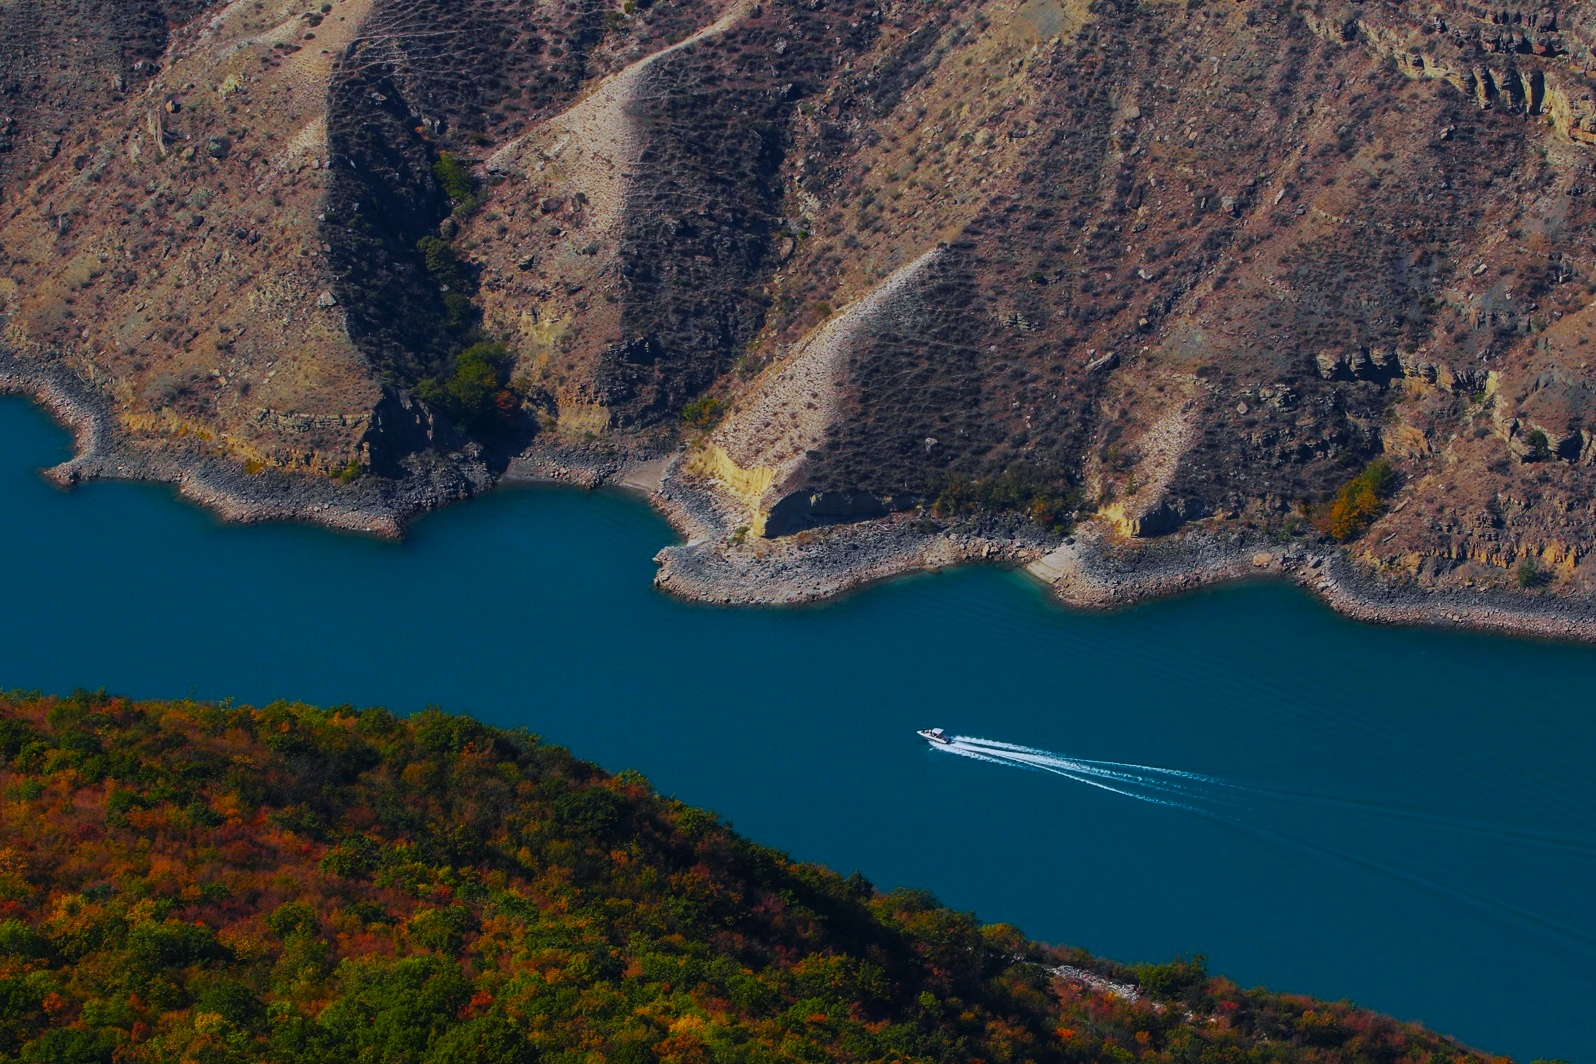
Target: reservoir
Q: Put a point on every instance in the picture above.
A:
(1405, 818)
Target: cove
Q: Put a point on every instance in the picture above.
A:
(1406, 818)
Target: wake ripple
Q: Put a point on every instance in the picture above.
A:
(1220, 800)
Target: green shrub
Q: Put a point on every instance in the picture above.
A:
(394, 1009)
(231, 1000)
(590, 812)
(455, 178)
(290, 918)
(17, 939)
(440, 929)
(356, 855)
(458, 310)
(1024, 489)
(66, 1045)
(476, 393)
(1175, 979)
(703, 412)
(441, 261)
(1539, 445)
(15, 735)
(171, 944)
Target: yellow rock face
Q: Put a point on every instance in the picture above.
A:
(748, 486)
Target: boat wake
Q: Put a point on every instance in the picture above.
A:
(1229, 803)
(1146, 783)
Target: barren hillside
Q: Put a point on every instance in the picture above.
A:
(929, 281)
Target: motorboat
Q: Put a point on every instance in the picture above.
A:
(935, 736)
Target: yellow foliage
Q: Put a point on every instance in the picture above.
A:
(1359, 502)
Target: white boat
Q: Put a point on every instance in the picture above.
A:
(935, 736)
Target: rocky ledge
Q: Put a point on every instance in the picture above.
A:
(378, 506)
(720, 562)
(1094, 568)
(723, 563)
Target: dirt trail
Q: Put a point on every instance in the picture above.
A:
(592, 147)
(795, 402)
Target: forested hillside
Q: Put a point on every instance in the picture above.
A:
(192, 882)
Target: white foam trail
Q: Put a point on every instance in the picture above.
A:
(1050, 762)
(1105, 775)
(1058, 767)
(1172, 780)
(1011, 747)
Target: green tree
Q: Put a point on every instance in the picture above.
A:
(393, 1011)
(455, 178)
(1540, 446)
(702, 413)
(477, 393)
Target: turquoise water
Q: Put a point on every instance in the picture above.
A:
(1403, 818)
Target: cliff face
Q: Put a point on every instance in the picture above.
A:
(1151, 262)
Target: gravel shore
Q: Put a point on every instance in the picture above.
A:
(377, 506)
(721, 563)
(1096, 570)
(1092, 569)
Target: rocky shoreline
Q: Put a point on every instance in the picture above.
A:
(720, 562)
(1095, 570)
(371, 505)
(724, 564)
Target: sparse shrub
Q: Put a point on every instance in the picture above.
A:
(1024, 489)
(1531, 575)
(456, 284)
(703, 412)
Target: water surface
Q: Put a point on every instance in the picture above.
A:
(1417, 832)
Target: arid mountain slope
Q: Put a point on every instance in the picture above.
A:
(1167, 268)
